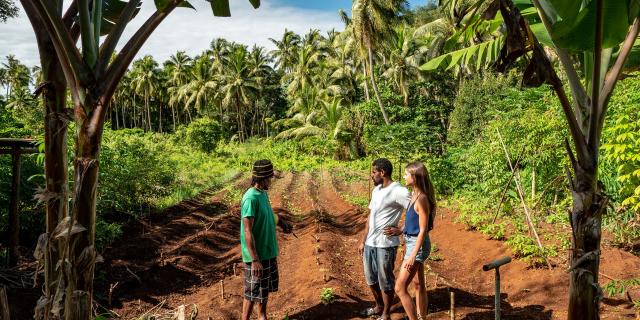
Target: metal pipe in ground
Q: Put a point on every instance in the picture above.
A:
(496, 264)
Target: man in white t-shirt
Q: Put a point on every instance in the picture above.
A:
(378, 250)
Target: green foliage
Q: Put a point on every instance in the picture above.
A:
(106, 233)
(327, 296)
(619, 287)
(135, 171)
(474, 104)
(203, 134)
(525, 247)
(622, 147)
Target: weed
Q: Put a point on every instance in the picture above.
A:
(619, 287)
(327, 296)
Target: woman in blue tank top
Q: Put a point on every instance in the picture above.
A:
(418, 223)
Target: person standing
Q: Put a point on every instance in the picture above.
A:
(418, 222)
(258, 241)
(378, 250)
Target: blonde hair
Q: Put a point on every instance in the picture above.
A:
(423, 183)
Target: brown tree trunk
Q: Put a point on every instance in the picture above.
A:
(366, 85)
(55, 160)
(81, 253)
(375, 86)
(160, 117)
(586, 219)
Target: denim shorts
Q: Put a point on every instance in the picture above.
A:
(378, 266)
(410, 243)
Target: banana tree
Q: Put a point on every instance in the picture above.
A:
(67, 249)
(593, 31)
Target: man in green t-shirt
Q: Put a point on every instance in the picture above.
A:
(258, 241)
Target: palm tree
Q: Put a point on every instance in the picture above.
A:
(146, 81)
(18, 75)
(239, 86)
(200, 89)
(219, 50)
(404, 62)
(372, 22)
(286, 52)
(177, 69)
(4, 80)
(21, 100)
(302, 73)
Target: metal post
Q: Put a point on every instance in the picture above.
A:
(14, 219)
(497, 298)
(496, 265)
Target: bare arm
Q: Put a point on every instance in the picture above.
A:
(256, 265)
(248, 238)
(364, 236)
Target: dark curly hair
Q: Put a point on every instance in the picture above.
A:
(384, 165)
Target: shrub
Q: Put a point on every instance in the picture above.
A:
(203, 134)
(474, 104)
(327, 296)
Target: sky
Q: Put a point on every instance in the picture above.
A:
(192, 31)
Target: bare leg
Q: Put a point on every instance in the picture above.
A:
(387, 298)
(377, 295)
(247, 308)
(422, 300)
(262, 310)
(404, 278)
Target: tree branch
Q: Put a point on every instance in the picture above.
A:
(70, 14)
(61, 37)
(595, 85)
(580, 97)
(582, 150)
(38, 17)
(109, 45)
(611, 79)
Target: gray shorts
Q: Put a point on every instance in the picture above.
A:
(423, 252)
(378, 266)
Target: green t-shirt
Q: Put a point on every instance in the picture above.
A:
(256, 204)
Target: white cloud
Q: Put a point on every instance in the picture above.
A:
(190, 30)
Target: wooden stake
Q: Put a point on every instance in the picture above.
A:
(506, 187)
(532, 229)
(180, 314)
(452, 311)
(222, 289)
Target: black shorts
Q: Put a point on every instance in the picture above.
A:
(257, 289)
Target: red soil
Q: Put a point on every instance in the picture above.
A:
(183, 256)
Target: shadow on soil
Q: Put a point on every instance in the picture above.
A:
(347, 308)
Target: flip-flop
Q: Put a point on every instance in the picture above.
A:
(368, 312)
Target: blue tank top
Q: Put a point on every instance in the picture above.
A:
(411, 221)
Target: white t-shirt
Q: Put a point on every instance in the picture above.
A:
(385, 210)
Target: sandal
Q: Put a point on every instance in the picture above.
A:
(368, 312)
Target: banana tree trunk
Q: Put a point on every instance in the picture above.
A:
(586, 218)
(55, 196)
(80, 248)
(375, 86)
